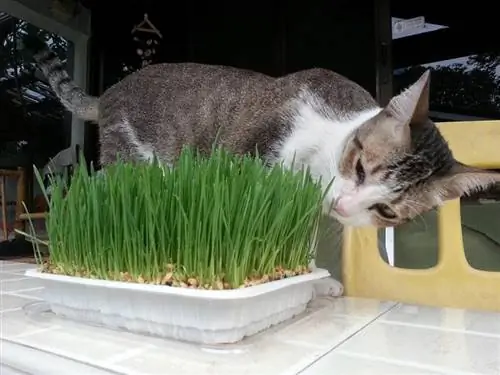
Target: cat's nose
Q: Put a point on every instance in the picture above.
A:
(340, 206)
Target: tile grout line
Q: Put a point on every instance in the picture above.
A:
(416, 365)
(20, 295)
(436, 328)
(13, 309)
(14, 280)
(127, 354)
(65, 357)
(341, 342)
(16, 273)
(15, 370)
(335, 315)
(35, 332)
(23, 290)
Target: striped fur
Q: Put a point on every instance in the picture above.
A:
(388, 165)
(72, 97)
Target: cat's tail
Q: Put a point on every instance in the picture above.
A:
(74, 98)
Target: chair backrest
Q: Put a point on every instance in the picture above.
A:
(60, 162)
(452, 282)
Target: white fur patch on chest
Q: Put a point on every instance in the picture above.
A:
(316, 140)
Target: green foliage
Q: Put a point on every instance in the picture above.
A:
(472, 88)
(217, 219)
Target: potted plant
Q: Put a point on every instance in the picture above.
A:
(210, 250)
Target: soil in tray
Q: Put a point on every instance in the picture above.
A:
(176, 279)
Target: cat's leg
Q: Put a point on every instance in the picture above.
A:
(328, 287)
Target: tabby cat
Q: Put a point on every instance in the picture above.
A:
(389, 164)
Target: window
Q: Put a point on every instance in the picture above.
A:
(34, 126)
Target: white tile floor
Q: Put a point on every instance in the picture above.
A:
(336, 336)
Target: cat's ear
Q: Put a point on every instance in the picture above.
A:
(463, 180)
(412, 105)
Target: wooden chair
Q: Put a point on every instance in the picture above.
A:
(20, 176)
(60, 163)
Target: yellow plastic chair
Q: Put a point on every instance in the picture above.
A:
(452, 282)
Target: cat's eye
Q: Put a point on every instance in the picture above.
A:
(360, 172)
(384, 210)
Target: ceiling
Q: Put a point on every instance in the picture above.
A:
(449, 13)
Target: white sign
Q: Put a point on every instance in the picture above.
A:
(402, 26)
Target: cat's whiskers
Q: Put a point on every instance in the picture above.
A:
(332, 165)
(413, 205)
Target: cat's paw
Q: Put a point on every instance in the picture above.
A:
(328, 287)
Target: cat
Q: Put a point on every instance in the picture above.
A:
(388, 164)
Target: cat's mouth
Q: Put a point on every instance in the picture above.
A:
(359, 220)
(333, 210)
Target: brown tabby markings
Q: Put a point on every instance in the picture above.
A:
(388, 165)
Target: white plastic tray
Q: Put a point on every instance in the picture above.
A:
(201, 316)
